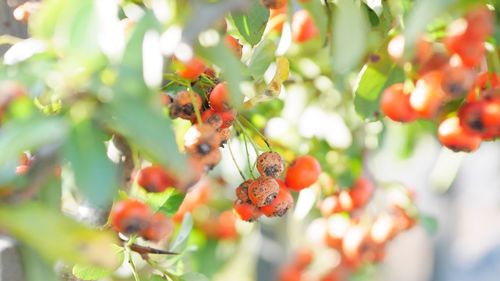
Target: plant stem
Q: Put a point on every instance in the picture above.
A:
(234, 160)
(254, 145)
(242, 119)
(250, 166)
(195, 107)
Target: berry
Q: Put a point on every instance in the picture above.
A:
(303, 258)
(470, 117)
(233, 45)
(155, 179)
(280, 205)
(212, 118)
(263, 191)
(484, 81)
(130, 216)
(159, 227)
(226, 228)
(452, 135)
(270, 164)
(303, 27)
(219, 98)
(192, 69)
(183, 106)
(303, 172)
(383, 229)
(211, 159)
(396, 104)
(427, 97)
(274, 4)
(224, 135)
(336, 227)
(242, 191)
(200, 140)
(456, 81)
(361, 192)
(246, 211)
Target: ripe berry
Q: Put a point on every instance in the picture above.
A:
(233, 45)
(470, 117)
(274, 4)
(276, 19)
(183, 106)
(383, 229)
(226, 228)
(303, 172)
(159, 227)
(395, 104)
(219, 99)
(242, 191)
(303, 27)
(224, 135)
(192, 69)
(427, 97)
(270, 164)
(211, 159)
(456, 81)
(200, 140)
(212, 118)
(453, 136)
(361, 192)
(303, 258)
(484, 81)
(396, 47)
(280, 205)
(480, 22)
(263, 191)
(130, 216)
(246, 211)
(336, 227)
(155, 179)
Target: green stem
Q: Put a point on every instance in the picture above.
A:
(492, 58)
(242, 119)
(254, 145)
(250, 166)
(195, 107)
(234, 160)
(132, 265)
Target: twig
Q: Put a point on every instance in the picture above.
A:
(251, 126)
(234, 160)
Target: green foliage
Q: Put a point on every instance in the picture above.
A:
(251, 24)
(167, 201)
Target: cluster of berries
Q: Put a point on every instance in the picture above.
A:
(303, 26)
(450, 88)
(268, 195)
(358, 237)
(132, 217)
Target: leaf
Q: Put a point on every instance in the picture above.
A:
(374, 77)
(193, 276)
(167, 202)
(21, 135)
(429, 223)
(318, 13)
(35, 268)
(251, 24)
(55, 236)
(350, 31)
(50, 194)
(183, 233)
(262, 57)
(281, 75)
(89, 272)
(95, 174)
(146, 128)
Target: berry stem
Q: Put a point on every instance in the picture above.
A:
(250, 166)
(242, 119)
(254, 145)
(234, 160)
(196, 109)
(130, 261)
(492, 59)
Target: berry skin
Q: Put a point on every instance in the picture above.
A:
(211, 159)
(211, 118)
(224, 136)
(270, 164)
(183, 107)
(303, 27)
(242, 191)
(227, 118)
(246, 211)
(274, 4)
(263, 191)
(427, 97)
(453, 136)
(456, 81)
(383, 229)
(159, 227)
(484, 81)
(200, 140)
(361, 192)
(192, 69)
(155, 179)
(280, 205)
(470, 115)
(219, 98)
(130, 216)
(233, 45)
(303, 172)
(396, 104)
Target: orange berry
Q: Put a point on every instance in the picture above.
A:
(242, 191)
(270, 164)
(303, 172)
(246, 211)
(219, 98)
(155, 179)
(192, 69)
(130, 216)
(452, 135)
(183, 107)
(427, 97)
(303, 27)
(274, 4)
(361, 192)
(263, 191)
(280, 205)
(484, 81)
(159, 227)
(233, 45)
(395, 104)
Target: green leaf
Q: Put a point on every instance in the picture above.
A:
(318, 13)
(146, 128)
(167, 201)
(89, 272)
(21, 135)
(262, 57)
(55, 236)
(183, 233)
(372, 80)
(251, 24)
(350, 31)
(95, 174)
(193, 276)
(429, 223)
(35, 268)
(50, 194)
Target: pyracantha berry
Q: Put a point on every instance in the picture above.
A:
(303, 27)
(303, 172)
(155, 179)
(395, 104)
(280, 205)
(130, 216)
(224, 136)
(219, 99)
(263, 191)
(183, 106)
(242, 191)
(361, 192)
(200, 140)
(190, 70)
(427, 97)
(233, 44)
(159, 227)
(246, 211)
(452, 135)
(270, 164)
(212, 118)
(274, 4)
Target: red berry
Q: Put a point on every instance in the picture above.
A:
(274, 4)
(219, 99)
(484, 81)
(280, 205)
(263, 191)
(233, 45)
(395, 104)
(242, 191)
(130, 216)
(246, 211)
(361, 192)
(427, 97)
(453, 136)
(155, 179)
(159, 227)
(270, 164)
(192, 69)
(303, 27)
(303, 172)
